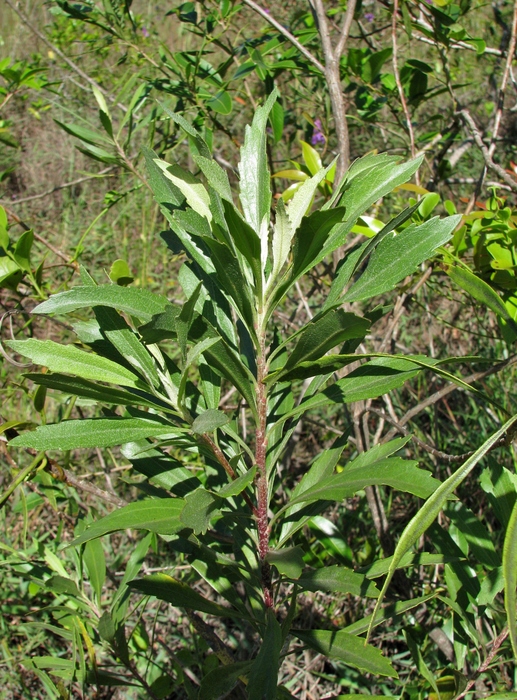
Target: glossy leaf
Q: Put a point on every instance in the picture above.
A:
(159, 515)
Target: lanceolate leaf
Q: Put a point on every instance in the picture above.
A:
(194, 191)
(510, 577)
(398, 255)
(348, 648)
(263, 675)
(219, 682)
(137, 302)
(95, 432)
(337, 579)
(429, 511)
(159, 515)
(255, 188)
(179, 594)
(68, 358)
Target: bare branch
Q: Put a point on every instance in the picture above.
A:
(63, 186)
(345, 32)
(400, 88)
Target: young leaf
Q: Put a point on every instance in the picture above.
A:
(68, 358)
(216, 176)
(238, 486)
(348, 648)
(159, 515)
(194, 191)
(200, 507)
(94, 432)
(209, 421)
(255, 188)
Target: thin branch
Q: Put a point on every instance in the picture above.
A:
(400, 88)
(285, 32)
(345, 32)
(498, 641)
(39, 238)
(333, 78)
(504, 82)
(66, 476)
(501, 172)
(16, 8)
(63, 186)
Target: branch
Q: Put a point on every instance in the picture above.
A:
(400, 88)
(345, 32)
(39, 238)
(285, 32)
(333, 77)
(63, 186)
(471, 124)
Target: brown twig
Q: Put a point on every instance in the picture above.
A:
(504, 82)
(333, 78)
(63, 186)
(400, 88)
(498, 641)
(39, 238)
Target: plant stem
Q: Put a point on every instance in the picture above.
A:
(262, 481)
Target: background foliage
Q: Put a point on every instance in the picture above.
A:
(97, 86)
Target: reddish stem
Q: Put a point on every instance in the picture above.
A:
(262, 481)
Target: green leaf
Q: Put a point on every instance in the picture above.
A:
(216, 176)
(93, 557)
(338, 579)
(120, 273)
(288, 561)
(209, 421)
(398, 255)
(431, 508)
(179, 594)
(94, 432)
(481, 291)
(160, 515)
(123, 338)
(311, 158)
(277, 120)
(163, 189)
(68, 358)
(221, 102)
(238, 485)
(348, 648)
(137, 302)
(255, 190)
(22, 250)
(510, 578)
(318, 337)
(194, 191)
(61, 584)
(219, 682)
(85, 134)
(91, 390)
(200, 507)
(246, 241)
(398, 473)
(263, 676)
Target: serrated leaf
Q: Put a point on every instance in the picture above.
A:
(68, 358)
(178, 594)
(199, 509)
(137, 302)
(348, 648)
(94, 432)
(160, 515)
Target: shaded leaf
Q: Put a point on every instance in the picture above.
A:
(199, 509)
(338, 579)
(219, 682)
(263, 676)
(288, 561)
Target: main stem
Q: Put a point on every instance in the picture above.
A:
(262, 481)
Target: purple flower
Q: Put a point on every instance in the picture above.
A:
(369, 16)
(145, 32)
(317, 135)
